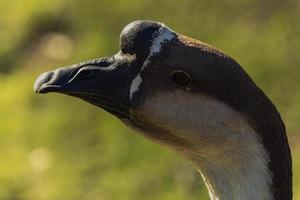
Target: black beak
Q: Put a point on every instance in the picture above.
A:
(103, 82)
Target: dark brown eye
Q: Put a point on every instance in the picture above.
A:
(181, 78)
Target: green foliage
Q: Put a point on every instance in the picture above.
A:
(56, 147)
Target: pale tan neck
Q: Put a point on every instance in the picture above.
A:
(218, 139)
(247, 178)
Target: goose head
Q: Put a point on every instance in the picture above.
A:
(190, 97)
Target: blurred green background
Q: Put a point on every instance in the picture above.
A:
(55, 147)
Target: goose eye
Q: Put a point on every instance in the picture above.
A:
(181, 78)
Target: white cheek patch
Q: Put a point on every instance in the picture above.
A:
(165, 35)
(135, 84)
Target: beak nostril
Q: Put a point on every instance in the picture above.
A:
(49, 76)
(84, 74)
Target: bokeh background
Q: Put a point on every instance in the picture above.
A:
(54, 147)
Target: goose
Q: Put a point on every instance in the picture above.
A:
(191, 97)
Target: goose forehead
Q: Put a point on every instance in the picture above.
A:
(164, 36)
